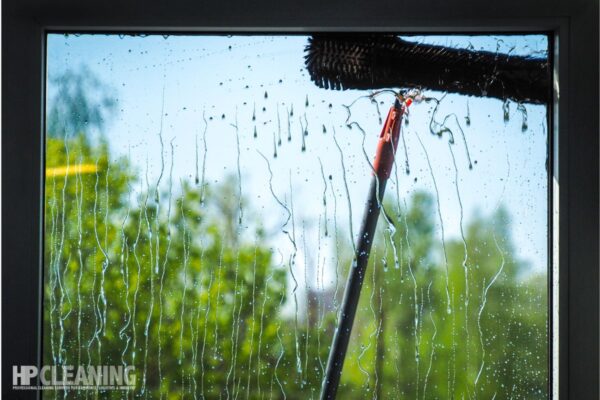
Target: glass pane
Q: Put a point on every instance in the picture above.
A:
(204, 199)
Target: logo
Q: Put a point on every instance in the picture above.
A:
(69, 377)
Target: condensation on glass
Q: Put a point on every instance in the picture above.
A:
(202, 201)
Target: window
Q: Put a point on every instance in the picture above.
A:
(203, 198)
(117, 216)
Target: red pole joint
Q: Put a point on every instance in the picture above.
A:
(388, 140)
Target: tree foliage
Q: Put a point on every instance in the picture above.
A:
(159, 277)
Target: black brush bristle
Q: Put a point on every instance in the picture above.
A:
(369, 62)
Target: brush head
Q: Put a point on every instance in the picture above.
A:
(377, 61)
(347, 62)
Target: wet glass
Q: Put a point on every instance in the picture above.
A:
(203, 198)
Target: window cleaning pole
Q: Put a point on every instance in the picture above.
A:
(382, 167)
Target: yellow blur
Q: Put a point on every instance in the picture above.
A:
(71, 170)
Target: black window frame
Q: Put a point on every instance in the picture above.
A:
(573, 148)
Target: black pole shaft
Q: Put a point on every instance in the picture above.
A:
(337, 353)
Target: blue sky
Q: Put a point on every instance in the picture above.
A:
(238, 76)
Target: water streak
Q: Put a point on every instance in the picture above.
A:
(347, 191)
(431, 311)
(252, 328)
(439, 210)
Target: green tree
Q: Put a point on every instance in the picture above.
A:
(79, 102)
(409, 342)
(155, 284)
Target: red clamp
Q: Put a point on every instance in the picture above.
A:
(388, 140)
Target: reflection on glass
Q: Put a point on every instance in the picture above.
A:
(201, 204)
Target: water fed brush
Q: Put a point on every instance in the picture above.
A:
(384, 62)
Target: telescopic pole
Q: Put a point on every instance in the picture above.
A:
(382, 167)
